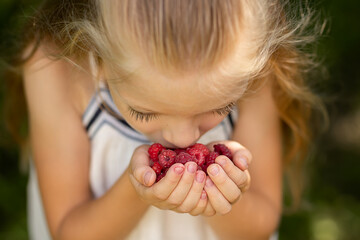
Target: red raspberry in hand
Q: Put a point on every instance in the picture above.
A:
(161, 159)
(154, 151)
(184, 157)
(198, 154)
(223, 150)
(167, 158)
(157, 168)
(200, 151)
(179, 150)
(201, 147)
(210, 159)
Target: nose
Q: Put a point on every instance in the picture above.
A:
(181, 133)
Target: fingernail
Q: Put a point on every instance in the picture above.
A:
(214, 170)
(243, 162)
(200, 176)
(192, 168)
(147, 178)
(179, 170)
(203, 195)
(209, 183)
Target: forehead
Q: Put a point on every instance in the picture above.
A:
(181, 94)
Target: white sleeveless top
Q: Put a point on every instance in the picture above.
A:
(113, 142)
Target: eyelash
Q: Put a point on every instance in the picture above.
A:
(147, 117)
(225, 110)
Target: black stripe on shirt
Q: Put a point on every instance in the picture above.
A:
(93, 119)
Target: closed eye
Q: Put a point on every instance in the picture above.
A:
(147, 117)
(139, 116)
(225, 110)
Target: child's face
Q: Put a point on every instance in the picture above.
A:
(174, 112)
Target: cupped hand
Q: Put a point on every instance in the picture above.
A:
(180, 190)
(227, 179)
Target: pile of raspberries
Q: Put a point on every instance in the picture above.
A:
(161, 158)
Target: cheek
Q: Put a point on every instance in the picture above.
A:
(209, 122)
(146, 128)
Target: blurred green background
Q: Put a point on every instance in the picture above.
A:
(331, 206)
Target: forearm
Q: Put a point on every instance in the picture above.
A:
(112, 216)
(252, 217)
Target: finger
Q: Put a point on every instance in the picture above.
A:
(201, 205)
(182, 189)
(140, 168)
(217, 200)
(247, 184)
(162, 189)
(242, 159)
(240, 154)
(194, 194)
(223, 182)
(240, 178)
(209, 210)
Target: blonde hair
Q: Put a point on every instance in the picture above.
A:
(187, 35)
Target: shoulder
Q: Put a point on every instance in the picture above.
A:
(47, 78)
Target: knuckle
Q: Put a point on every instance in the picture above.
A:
(221, 178)
(209, 213)
(171, 180)
(243, 180)
(231, 169)
(245, 189)
(235, 195)
(237, 198)
(185, 208)
(187, 179)
(196, 188)
(226, 209)
(195, 213)
(174, 201)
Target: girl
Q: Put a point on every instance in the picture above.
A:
(104, 79)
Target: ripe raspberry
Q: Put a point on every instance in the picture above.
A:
(160, 176)
(165, 170)
(179, 150)
(167, 158)
(198, 154)
(157, 168)
(184, 157)
(210, 159)
(154, 151)
(201, 147)
(151, 163)
(223, 150)
(205, 167)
